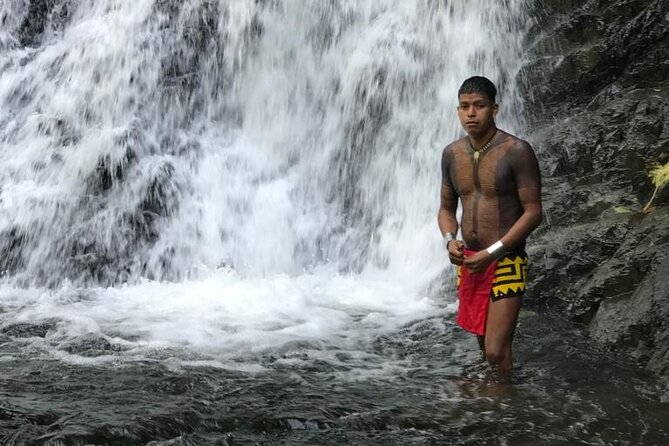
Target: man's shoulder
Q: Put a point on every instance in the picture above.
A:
(517, 148)
(516, 143)
(458, 144)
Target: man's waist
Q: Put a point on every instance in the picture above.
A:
(510, 253)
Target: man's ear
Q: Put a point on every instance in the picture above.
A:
(495, 109)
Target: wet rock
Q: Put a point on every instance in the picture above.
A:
(91, 346)
(638, 320)
(40, 14)
(659, 360)
(583, 49)
(12, 242)
(599, 118)
(28, 329)
(109, 172)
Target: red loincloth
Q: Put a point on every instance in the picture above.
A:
(474, 297)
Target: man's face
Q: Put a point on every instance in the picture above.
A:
(477, 113)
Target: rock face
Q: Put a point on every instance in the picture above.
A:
(598, 102)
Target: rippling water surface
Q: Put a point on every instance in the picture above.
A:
(421, 383)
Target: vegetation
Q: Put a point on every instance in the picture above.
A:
(660, 177)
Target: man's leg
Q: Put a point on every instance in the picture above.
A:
(500, 325)
(481, 340)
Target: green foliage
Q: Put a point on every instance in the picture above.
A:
(660, 176)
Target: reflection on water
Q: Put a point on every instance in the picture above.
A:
(424, 383)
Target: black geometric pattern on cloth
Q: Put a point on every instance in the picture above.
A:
(510, 277)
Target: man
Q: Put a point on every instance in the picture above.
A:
(496, 177)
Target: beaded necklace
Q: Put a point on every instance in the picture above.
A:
(480, 151)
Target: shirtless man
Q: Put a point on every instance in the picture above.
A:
(496, 177)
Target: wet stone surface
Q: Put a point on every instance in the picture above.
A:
(599, 110)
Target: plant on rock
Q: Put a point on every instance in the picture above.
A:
(659, 174)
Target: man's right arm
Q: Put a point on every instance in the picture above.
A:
(446, 218)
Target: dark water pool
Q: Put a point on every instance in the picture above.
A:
(422, 385)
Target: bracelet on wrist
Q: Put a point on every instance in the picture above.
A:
(496, 250)
(448, 237)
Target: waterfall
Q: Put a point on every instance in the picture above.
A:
(166, 140)
(154, 137)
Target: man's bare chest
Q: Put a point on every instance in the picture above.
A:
(491, 176)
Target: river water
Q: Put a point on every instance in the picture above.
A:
(218, 226)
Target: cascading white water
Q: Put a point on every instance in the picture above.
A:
(280, 153)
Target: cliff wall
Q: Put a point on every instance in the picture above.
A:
(597, 90)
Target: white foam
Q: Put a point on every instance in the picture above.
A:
(221, 315)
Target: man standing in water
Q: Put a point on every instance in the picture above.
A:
(496, 176)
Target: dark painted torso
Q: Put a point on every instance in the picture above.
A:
(487, 188)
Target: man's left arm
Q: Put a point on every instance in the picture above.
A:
(528, 182)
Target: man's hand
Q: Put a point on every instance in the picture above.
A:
(456, 251)
(478, 262)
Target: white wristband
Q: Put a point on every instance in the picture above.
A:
(496, 249)
(447, 238)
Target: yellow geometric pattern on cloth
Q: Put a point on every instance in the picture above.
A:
(458, 276)
(510, 276)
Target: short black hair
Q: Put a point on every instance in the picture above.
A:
(479, 84)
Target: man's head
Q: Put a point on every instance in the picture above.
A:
(476, 106)
(481, 85)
